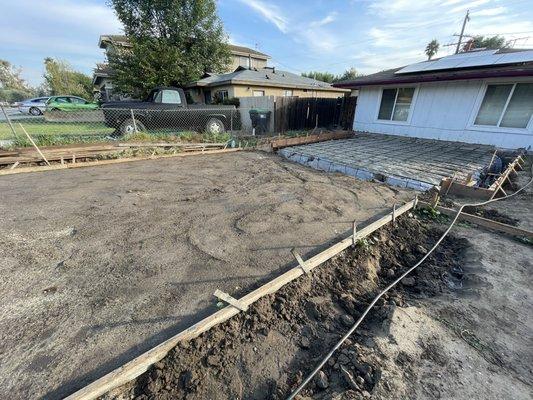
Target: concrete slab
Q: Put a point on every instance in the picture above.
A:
(399, 161)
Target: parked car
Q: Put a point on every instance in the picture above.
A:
(69, 103)
(166, 107)
(34, 106)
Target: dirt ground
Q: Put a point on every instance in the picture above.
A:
(460, 328)
(100, 264)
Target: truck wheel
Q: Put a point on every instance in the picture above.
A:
(127, 127)
(214, 126)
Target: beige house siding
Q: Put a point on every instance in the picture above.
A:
(247, 91)
(241, 61)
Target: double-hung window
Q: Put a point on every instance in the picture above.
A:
(506, 106)
(396, 104)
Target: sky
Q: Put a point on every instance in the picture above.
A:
(299, 35)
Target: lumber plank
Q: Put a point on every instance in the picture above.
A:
(114, 161)
(485, 222)
(287, 142)
(140, 364)
(449, 187)
(170, 144)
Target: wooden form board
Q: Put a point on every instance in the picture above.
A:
(449, 186)
(484, 222)
(139, 365)
(108, 162)
(281, 143)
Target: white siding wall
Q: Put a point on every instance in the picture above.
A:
(444, 111)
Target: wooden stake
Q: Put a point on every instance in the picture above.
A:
(14, 165)
(394, 214)
(34, 145)
(354, 233)
(134, 123)
(230, 300)
(74, 159)
(300, 260)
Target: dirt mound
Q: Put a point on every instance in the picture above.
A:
(265, 352)
(492, 214)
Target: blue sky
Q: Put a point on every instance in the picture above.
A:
(300, 35)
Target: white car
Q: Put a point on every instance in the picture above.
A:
(35, 106)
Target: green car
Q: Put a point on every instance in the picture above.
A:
(69, 103)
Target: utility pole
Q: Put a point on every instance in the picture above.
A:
(467, 18)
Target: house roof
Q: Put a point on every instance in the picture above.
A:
(477, 68)
(270, 77)
(122, 40)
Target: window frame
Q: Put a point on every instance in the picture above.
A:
(413, 102)
(254, 91)
(285, 91)
(479, 101)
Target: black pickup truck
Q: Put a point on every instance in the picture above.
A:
(167, 108)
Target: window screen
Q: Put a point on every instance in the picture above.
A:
(493, 104)
(509, 106)
(520, 107)
(396, 103)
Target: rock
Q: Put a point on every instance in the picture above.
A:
(213, 361)
(348, 378)
(343, 359)
(321, 380)
(347, 320)
(390, 273)
(408, 281)
(362, 368)
(421, 249)
(360, 381)
(159, 365)
(365, 394)
(305, 343)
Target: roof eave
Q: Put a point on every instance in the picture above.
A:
(433, 78)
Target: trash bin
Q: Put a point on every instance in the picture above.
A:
(260, 120)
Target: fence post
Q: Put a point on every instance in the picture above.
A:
(231, 122)
(9, 122)
(134, 123)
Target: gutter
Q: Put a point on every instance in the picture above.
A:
(436, 78)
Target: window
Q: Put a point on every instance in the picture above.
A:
(62, 100)
(77, 100)
(244, 62)
(222, 94)
(287, 93)
(396, 104)
(259, 93)
(168, 97)
(507, 106)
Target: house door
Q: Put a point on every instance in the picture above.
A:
(207, 96)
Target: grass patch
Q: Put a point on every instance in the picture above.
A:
(54, 129)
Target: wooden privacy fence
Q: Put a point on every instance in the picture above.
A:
(294, 113)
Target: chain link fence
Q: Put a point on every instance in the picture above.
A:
(204, 123)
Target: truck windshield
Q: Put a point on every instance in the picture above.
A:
(168, 97)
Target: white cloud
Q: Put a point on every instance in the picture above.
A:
(490, 12)
(270, 12)
(469, 6)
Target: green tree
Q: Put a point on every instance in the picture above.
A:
(320, 76)
(173, 42)
(432, 48)
(349, 74)
(487, 42)
(60, 78)
(12, 86)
